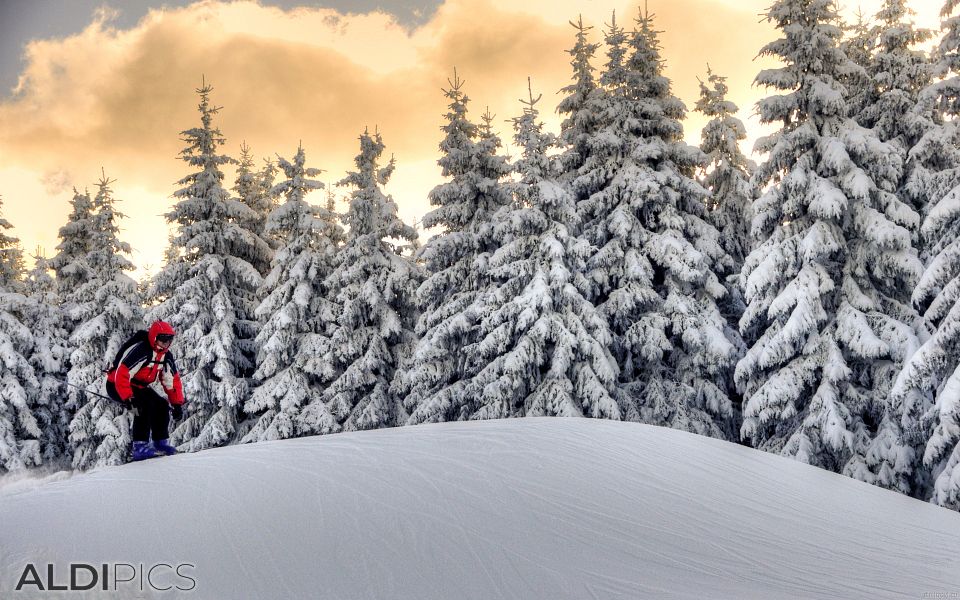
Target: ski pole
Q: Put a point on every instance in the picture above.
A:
(182, 374)
(125, 404)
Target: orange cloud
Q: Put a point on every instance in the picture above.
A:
(119, 98)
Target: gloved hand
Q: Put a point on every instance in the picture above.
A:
(177, 412)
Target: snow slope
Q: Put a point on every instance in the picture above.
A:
(526, 508)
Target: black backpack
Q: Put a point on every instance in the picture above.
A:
(139, 336)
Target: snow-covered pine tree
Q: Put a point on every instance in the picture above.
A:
(20, 433)
(727, 172)
(109, 309)
(899, 72)
(268, 198)
(543, 347)
(250, 190)
(297, 316)
(825, 284)
(580, 117)
(21, 437)
(72, 273)
(936, 367)
(44, 317)
(434, 382)
(76, 241)
(726, 178)
(597, 152)
(11, 258)
(858, 46)
(935, 157)
(654, 275)
(207, 290)
(375, 286)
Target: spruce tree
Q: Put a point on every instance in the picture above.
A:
(375, 286)
(268, 198)
(577, 107)
(899, 72)
(250, 190)
(109, 310)
(72, 274)
(11, 258)
(858, 46)
(727, 172)
(48, 358)
(207, 290)
(76, 241)
(297, 315)
(434, 383)
(726, 177)
(935, 367)
(20, 433)
(590, 155)
(825, 284)
(654, 274)
(542, 345)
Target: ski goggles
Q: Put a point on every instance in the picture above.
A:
(164, 338)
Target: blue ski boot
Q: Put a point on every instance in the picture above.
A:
(143, 451)
(164, 447)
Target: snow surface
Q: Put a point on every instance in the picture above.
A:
(530, 508)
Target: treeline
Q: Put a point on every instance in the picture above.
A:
(806, 306)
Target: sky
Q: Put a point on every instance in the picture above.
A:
(88, 87)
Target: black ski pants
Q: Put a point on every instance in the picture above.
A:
(153, 414)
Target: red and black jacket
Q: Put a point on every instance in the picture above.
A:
(140, 365)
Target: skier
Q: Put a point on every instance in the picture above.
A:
(138, 364)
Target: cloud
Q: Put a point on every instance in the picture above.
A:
(56, 182)
(105, 14)
(119, 98)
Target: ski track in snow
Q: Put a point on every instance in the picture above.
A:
(517, 509)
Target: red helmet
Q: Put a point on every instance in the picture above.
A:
(160, 329)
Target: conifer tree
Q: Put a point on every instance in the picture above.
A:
(899, 72)
(109, 310)
(72, 274)
(434, 382)
(76, 241)
(208, 289)
(825, 284)
(543, 345)
(375, 286)
(20, 434)
(858, 46)
(727, 177)
(48, 358)
(588, 155)
(580, 119)
(293, 357)
(250, 190)
(654, 274)
(268, 198)
(11, 258)
(935, 367)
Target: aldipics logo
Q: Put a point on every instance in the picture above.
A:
(107, 577)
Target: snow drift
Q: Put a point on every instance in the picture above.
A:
(525, 508)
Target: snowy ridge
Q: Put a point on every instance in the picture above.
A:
(524, 508)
